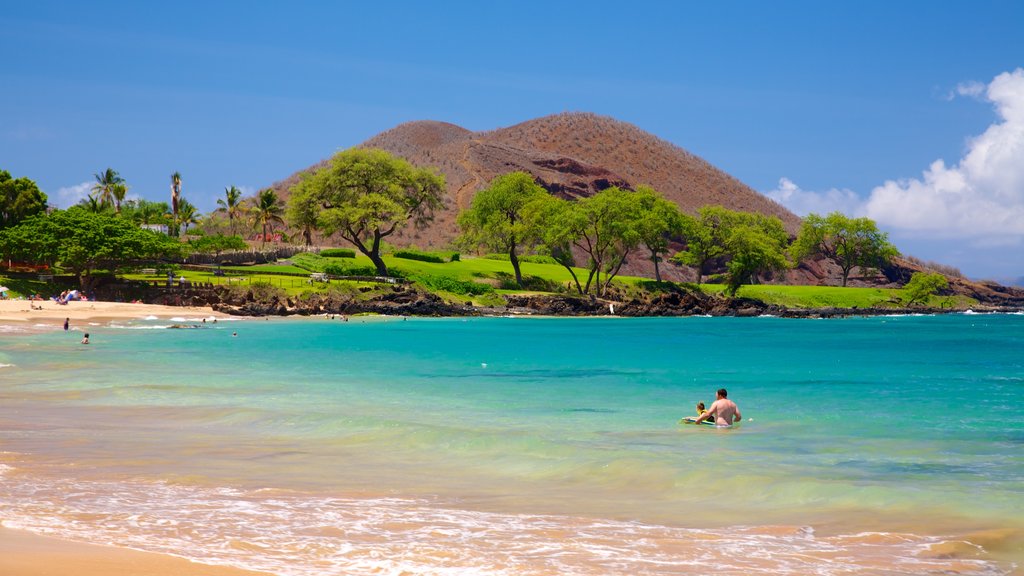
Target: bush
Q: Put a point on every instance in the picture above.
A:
(310, 262)
(532, 258)
(422, 256)
(350, 270)
(338, 253)
(448, 284)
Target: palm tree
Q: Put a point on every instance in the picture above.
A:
(175, 194)
(231, 203)
(103, 189)
(91, 204)
(186, 214)
(267, 211)
(118, 191)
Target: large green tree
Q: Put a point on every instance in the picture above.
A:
(921, 287)
(850, 242)
(20, 198)
(267, 212)
(80, 241)
(366, 195)
(303, 212)
(705, 238)
(555, 219)
(658, 222)
(495, 220)
(755, 243)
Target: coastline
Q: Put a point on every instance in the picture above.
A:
(30, 313)
(24, 553)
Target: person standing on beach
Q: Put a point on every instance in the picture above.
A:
(724, 411)
(67, 321)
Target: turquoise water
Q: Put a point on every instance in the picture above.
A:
(523, 445)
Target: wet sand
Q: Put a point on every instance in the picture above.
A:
(26, 554)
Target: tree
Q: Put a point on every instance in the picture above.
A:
(143, 211)
(303, 210)
(103, 188)
(495, 220)
(187, 214)
(705, 237)
(756, 243)
(175, 194)
(217, 243)
(80, 241)
(659, 220)
(19, 199)
(119, 191)
(366, 195)
(851, 242)
(267, 211)
(555, 219)
(922, 285)
(231, 204)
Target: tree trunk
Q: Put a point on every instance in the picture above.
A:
(374, 255)
(264, 244)
(657, 271)
(515, 264)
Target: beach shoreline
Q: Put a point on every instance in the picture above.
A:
(29, 314)
(24, 553)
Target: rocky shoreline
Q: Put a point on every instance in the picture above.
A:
(409, 301)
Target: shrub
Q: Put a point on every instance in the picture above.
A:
(422, 256)
(448, 284)
(338, 253)
(533, 258)
(309, 261)
(350, 270)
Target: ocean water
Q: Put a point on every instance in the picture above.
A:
(888, 445)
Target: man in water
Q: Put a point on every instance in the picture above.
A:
(724, 411)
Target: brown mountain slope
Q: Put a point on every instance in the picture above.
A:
(571, 155)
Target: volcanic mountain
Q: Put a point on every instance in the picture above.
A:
(571, 155)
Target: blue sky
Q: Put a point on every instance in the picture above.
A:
(821, 105)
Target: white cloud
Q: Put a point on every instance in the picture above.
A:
(71, 195)
(803, 202)
(982, 196)
(979, 199)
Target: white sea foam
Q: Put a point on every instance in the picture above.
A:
(147, 327)
(295, 535)
(2, 365)
(151, 317)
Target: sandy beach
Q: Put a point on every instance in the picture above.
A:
(26, 554)
(47, 311)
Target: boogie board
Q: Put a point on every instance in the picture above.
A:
(693, 420)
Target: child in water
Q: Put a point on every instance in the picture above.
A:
(700, 409)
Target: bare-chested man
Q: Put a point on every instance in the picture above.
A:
(724, 411)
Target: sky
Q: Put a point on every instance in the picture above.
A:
(910, 113)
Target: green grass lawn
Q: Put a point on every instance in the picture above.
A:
(499, 274)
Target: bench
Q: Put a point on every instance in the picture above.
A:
(150, 271)
(46, 277)
(318, 277)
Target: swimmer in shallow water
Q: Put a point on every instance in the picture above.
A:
(724, 411)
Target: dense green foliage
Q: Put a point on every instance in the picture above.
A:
(449, 284)
(217, 243)
(367, 195)
(79, 241)
(921, 287)
(496, 219)
(851, 242)
(535, 258)
(439, 257)
(338, 253)
(658, 222)
(20, 198)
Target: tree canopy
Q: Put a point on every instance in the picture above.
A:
(20, 198)
(658, 222)
(496, 219)
(366, 195)
(706, 237)
(851, 242)
(921, 286)
(80, 241)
